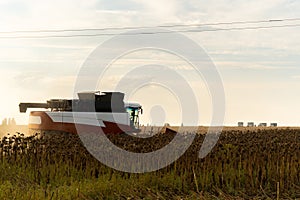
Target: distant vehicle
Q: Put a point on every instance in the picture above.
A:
(93, 111)
(262, 124)
(240, 124)
(273, 124)
(250, 124)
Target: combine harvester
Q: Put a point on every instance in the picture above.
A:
(94, 111)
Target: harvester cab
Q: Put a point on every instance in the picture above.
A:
(113, 116)
(134, 110)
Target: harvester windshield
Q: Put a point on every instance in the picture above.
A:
(134, 110)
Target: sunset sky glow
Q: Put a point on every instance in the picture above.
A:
(260, 68)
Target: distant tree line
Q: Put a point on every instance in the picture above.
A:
(9, 122)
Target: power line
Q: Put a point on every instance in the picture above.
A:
(141, 27)
(149, 33)
(246, 28)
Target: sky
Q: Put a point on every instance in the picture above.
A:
(260, 69)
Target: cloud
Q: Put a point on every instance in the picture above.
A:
(296, 76)
(119, 5)
(252, 65)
